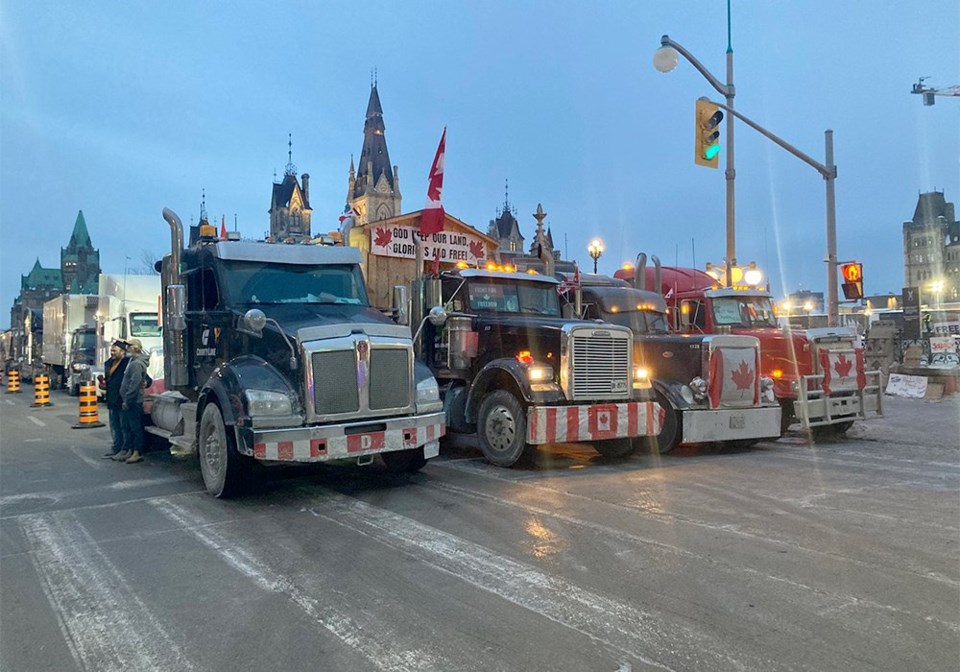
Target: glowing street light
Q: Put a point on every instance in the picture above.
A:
(665, 59)
(596, 251)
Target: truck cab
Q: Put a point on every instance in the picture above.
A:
(83, 353)
(512, 368)
(272, 353)
(709, 385)
(818, 374)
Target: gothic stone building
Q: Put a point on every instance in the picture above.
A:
(931, 248)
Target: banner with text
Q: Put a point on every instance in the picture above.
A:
(453, 246)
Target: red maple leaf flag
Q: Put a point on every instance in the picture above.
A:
(742, 376)
(476, 249)
(576, 274)
(843, 366)
(383, 237)
(431, 220)
(223, 227)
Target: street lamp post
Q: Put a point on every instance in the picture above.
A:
(596, 250)
(665, 59)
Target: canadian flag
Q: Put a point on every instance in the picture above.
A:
(431, 220)
(223, 227)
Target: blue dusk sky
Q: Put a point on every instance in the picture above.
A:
(120, 109)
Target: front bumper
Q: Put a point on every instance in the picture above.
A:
(731, 424)
(813, 408)
(593, 422)
(324, 443)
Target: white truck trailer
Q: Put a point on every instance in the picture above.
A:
(62, 316)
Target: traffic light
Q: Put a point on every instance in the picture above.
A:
(707, 140)
(852, 280)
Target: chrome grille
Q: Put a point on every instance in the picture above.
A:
(600, 365)
(389, 378)
(335, 382)
(358, 376)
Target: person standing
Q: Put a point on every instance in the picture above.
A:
(131, 395)
(114, 369)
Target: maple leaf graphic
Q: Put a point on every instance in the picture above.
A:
(843, 366)
(476, 249)
(743, 376)
(383, 237)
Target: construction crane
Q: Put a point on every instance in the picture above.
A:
(928, 92)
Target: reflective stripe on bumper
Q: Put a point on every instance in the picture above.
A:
(336, 442)
(594, 422)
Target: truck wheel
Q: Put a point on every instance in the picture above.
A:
(221, 465)
(616, 448)
(404, 461)
(671, 432)
(831, 431)
(786, 415)
(502, 429)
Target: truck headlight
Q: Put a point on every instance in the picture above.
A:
(766, 388)
(264, 402)
(540, 373)
(699, 388)
(641, 378)
(428, 396)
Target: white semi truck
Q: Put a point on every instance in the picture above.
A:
(69, 324)
(128, 308)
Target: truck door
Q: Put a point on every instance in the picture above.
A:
(207, 333)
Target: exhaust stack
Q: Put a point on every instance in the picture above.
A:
(175, 370)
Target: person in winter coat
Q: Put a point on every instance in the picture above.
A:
(114, 369)
(131, 395)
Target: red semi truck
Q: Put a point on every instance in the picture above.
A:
(818, 374)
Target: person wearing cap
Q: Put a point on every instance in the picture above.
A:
(114, 369)
(131, 395)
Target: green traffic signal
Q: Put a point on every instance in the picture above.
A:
(707, 138)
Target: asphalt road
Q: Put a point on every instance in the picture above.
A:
(788, 556)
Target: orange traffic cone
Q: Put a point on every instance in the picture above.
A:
(41, 391)
(13, 382)
(88, 407)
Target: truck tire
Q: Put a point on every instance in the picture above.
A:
(786, 415)
(404, 461)
(222, 467)
(831, 431)
(616, 448)
(671, 432)
(502, 429)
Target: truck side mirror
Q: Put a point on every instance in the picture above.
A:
(255, 320)
(401, 305)
(685, 309)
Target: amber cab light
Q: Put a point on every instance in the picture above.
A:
(776, 373)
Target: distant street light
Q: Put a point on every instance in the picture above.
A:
(596, 251)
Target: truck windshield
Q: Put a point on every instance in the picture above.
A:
(256, 283)
(744, 311)
(502, 297)
(144, 325)
(640, 321)
(84, 346)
